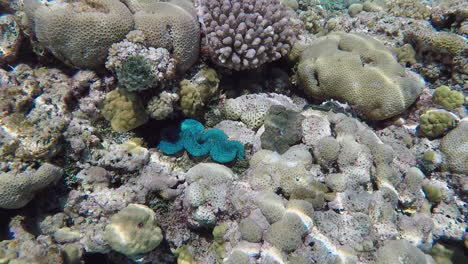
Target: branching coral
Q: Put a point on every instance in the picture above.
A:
(245, 34)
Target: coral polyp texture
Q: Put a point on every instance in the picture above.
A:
(358, 70)
(198, 142)
(245, 34)
(171, 25)
(80, 32)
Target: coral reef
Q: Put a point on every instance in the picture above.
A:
(243, 35)
(380, 88)
(379, 177)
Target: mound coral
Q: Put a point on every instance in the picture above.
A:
(80, 32)
(198, 142)
(245, 34)
(124, 110)
(436, 122)
(359, 70)
(208, 184)
(251, 109)
(18, 189)
(455, 147)
(133, 230)
(448, 98)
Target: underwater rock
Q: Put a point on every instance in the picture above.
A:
(11, 37)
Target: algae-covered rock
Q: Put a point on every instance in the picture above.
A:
(124, 110)
(283, 128)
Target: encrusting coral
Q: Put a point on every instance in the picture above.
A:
(124, 110)
(359, 70)
(243, 35)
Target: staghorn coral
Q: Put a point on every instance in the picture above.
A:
(18, 189)
(380, 88)
(80, 32)
(242, 35)
(171, 25)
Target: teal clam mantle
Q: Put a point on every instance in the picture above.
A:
(198, 142)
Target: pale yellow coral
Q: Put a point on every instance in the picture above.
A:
(359, 70)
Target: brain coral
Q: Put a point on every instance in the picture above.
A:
(17, 190)
(359, 70)
(455, 147)
(80, 32)
(171, 25)
(244, 34)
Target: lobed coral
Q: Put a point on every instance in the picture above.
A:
(448, 98)
(18, 188)
(124, 110)
(380, 88)
(436, 123)
(242, 35)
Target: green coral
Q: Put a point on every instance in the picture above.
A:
(435, 123)
(124, 110)
(198, 91)
(433, 194)
(448, 98)
(136, 74)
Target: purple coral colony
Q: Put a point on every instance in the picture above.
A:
(233, 131)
